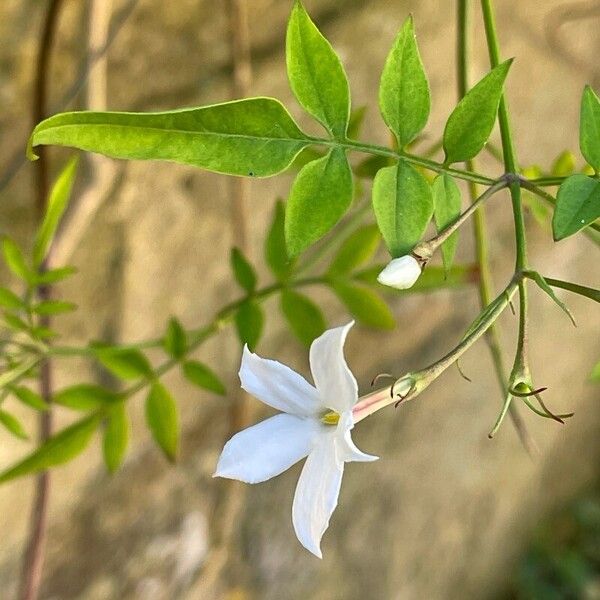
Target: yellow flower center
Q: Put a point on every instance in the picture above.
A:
(330, 418)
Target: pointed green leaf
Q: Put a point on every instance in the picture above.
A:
(404, 91)
(175, 340)
(589, 128)
(577, 205)
(84, 396)
(471, 122)
(15, 322)
(53, 307)
(53, 275)
(116, 437)
(163, 420)
(564, 164)
(365, 305)
(10, 300)
(58, 450)
(13, 425)
(29, 398)
(57, 204)
(316, 74)
(202, 376)
(320, 195)
(403, 206)
(249, 321)
(357, 249)
(543, 285)
(303, 316)
(276, 255)
(595, 374)
(446, 209)
(244, 272)
(254, 137)
(124, 363)
(15, 260)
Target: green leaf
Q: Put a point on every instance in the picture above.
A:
(15, 322)
(564, 164)
(15, 260)
(244, 272)
(365, 305)
(320, 195)
(303, 316)
(57, 204)
(595, 374)
(357, 249)
(471, 122)
(276, 255)
(175, 340)
(53, 307)
(29, 398)
(199, 374)
(10, 300)
(124, 363)
(85, 396)
(13, 425)
(543, 285)
(589, 128)
(577, 205)
(403, 206)
(446, 209)
(249, 321)
(53, 275)
(116, 437)
(255, 137)
(316, 74)
(58, 450)
(404, 91)
(163, 420)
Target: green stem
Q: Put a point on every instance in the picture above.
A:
(582, 290)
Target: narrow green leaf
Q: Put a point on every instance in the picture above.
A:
(589, 128)
(316, 74)
(577, 205)
(276, 255)
(365, 305)
(17, 371)
(202, 376)
(57, 204)
(564, 164)
(255, 137)
(29, 398)
(53, 307)
(58, 450)
(15, 260)
(595, 374)
(13, 425)
(471, 122)
(53, 275)
(10, 300)
(249, 321)
(404, 91)
(85, 396)
(124, 363)
(543, 285)
(116, 437)
(244, 272)
(163, 420)
(357, 249)
(175, 340)
(303, 316)
(320, 195)
(403, 206)
(446, 209)
(15, 322)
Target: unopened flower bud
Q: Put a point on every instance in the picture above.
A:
(400, 273)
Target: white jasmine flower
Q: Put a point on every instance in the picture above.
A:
(400, 273)
(315, 422)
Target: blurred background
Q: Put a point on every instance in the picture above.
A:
(446, 513)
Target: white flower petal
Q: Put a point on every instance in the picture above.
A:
(400, 273)
(334, 381)
(317, 494)
(346, 449)
(267, 448)
(277, 385)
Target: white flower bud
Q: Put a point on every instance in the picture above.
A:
(400, 273)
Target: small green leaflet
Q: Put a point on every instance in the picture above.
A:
(163, 420)
(116, 437)
(316, 74)
(564, 164)
(320, 195)
(595, 375)
(29, 398)
(10, 300)
(255, 137)
(404, 97)
(471, 122)
(244, 272)
(446, 209)
(249, 321)
(357, 249)
(175, 340)
(200, 375)
(403, 206)
(365, 305)
(589, 128)
(303, 316)
(85, 396)
(13, 425)
(15, 260)
(57, 204)
(276, 255)
(577, 205)
(53, 307)
(124, 363)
